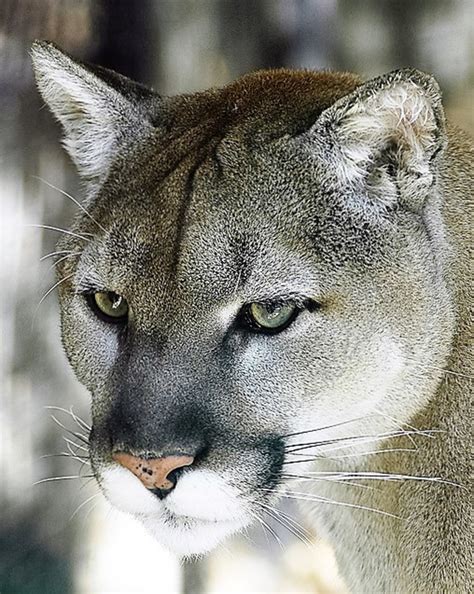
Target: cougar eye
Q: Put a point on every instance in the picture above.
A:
(109, 306)
(270, 317)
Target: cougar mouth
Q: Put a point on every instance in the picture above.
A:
(188, 522)
(195, 517)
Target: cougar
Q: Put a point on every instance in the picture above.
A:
(267, 294)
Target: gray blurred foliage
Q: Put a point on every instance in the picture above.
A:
(174, 45)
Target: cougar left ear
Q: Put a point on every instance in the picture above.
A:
(382, 140)
(97, 108)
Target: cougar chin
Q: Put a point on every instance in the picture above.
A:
(200, 513)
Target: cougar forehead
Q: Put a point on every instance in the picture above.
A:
(218, 242)
(257, 106)
(207, 145)
(208, 196)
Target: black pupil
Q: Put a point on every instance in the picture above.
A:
(115, 300)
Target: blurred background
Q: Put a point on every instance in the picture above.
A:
(60, 536)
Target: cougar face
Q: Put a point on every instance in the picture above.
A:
(255, 269)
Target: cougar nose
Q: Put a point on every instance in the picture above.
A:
(157, 474)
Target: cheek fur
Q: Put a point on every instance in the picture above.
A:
(127, 493)
(91, 345)
(205, 495)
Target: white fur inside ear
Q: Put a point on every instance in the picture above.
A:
(397, 121)
(92, 114)
(90, 126)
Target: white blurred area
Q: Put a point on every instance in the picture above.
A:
(300, 569)
(176, 45)
(124, 558)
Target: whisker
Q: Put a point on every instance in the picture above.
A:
(269, 528)
(264, 530)
(79, 436)
(59, 282)
(76, 202)
(91, 509)
(61, 478)
(71, 255)
(51, 290)
(387, 451)
(303, 477)
(423, 366)
(357, 438)
(246, 535)
(455, 373)
(399, 425)
(69, 442)
(305, 459)
(71, 414)
(311, 458)
(79, 421)
(79, 507)
(288, 523)
(60, 230)
(285, 515)
(282, 523)
(300, 496)
(86, 483)
(84, 461)
(383, 476)
(81, 459)
(400, 477)
(51, 254)
(325, 427)
(75, 434)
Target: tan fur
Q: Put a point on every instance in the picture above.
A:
(354, 199)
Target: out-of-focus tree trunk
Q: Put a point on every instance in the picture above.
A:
(127, 38)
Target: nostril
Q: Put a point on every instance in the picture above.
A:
(172, 478)
(174, 475)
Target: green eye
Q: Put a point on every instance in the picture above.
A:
(271, 317)
(109, 306)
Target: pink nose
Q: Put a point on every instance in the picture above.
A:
(154, 472)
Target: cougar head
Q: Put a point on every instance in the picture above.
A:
(253, 268)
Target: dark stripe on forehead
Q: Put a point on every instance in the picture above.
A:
(182, 218)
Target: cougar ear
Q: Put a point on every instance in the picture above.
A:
(95, 106)
(382, 140)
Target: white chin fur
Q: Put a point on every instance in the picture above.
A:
(195, 517)
(188, 537)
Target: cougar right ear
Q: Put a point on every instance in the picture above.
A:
(383, 141)
(95, 107)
